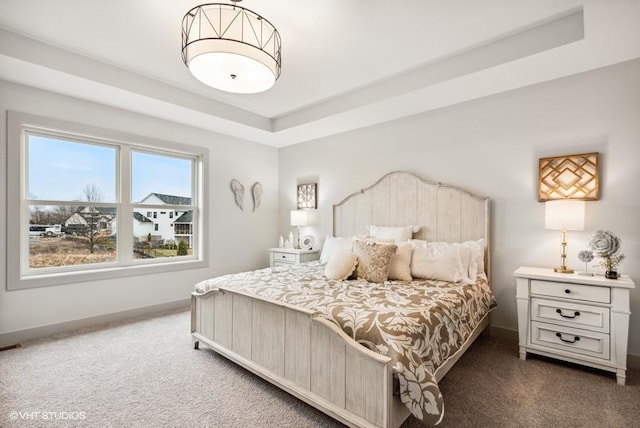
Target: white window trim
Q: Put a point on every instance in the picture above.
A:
(17, 219)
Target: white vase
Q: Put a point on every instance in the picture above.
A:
(281, 242)
(291, 244)
(287, 244)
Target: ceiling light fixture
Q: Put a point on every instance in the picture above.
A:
(231, 48)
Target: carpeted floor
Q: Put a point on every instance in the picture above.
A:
(145, 374)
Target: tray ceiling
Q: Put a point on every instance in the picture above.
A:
(346, 64)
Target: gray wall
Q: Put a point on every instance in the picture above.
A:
(491, 146)
(237, 240)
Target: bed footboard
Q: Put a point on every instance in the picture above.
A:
(301, 353)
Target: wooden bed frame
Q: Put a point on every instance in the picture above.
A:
(311, 357)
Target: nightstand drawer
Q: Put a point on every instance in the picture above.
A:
(570, 339)
(284, 257)
(291, 256)
(594, 318)
(571, 291)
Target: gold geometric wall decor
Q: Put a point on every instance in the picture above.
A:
(307, 198)
(569, 177)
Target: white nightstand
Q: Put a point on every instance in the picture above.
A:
(290, 256)
(581, 319)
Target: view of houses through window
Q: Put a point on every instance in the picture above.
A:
(75, 205)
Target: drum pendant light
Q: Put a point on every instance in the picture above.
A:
(231, 48)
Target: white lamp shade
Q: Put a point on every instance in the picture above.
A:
(564, 214)
(299, 218)
(237, 69)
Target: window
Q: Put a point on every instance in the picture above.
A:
(171, 214)
(78, 199)
(70, 189)
(183, 229)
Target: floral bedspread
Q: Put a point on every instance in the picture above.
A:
(418, 324)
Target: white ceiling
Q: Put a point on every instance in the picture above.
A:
(346, 63)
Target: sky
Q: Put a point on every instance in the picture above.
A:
(60, 170)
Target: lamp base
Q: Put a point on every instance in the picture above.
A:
(298, 240)
(563, 269)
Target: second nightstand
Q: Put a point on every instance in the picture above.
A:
(291, 256)
(575, 318)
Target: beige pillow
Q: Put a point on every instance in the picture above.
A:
(401, 263)
(374, 260)
(341, 265)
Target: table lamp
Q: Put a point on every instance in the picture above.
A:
(564, 215)
(299, 218)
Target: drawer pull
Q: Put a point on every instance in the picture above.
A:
(575, 314)
(575, 338)
(284, 257)
(566, 290)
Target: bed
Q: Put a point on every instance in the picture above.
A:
(308, 335)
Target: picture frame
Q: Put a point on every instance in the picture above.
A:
(307, 196)
(569, 177)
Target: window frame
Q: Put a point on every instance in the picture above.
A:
(18, 214)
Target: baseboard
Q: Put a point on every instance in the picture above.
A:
(503, 333)
(509, 335)
(11, 339)
(16, 337)
(633, 361)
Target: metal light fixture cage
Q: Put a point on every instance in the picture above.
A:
(231, 48)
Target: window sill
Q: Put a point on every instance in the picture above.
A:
(50, 279)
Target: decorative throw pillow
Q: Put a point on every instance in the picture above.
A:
(401, 263)
(374, 260)
(397, 234)
(332, 244)
(341, 265)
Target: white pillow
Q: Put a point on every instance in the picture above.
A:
(332, 244)
(477, 248)
(417, 243)
(401, 263)
(472, 253)
(398, 234)
(439, 262)
(341, 265)
(475, 263)
(465, 254)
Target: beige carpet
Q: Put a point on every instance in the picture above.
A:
(145, 374)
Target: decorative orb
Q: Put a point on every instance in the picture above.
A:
(585, 256)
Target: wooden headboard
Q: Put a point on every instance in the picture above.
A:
(444, 213)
